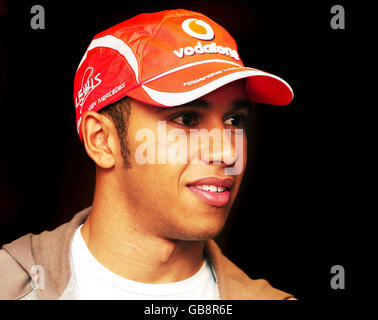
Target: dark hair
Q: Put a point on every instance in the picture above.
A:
(119, 113)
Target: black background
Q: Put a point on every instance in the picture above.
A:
(292, 222)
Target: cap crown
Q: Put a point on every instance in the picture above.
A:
(140, 49)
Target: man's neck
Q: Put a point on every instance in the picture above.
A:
(128, 251)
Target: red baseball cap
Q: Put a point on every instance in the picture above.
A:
(166, 59)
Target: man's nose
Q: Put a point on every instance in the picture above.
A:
(217, 146)
(222, 148)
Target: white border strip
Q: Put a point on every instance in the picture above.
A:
(117, 44)
(172, 99)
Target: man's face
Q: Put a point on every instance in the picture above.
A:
(170, 200)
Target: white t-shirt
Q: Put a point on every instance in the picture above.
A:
(95, 282)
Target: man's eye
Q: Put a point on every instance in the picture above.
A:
(236, 120)
(187, 119)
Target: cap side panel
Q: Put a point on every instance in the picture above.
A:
(112, 42)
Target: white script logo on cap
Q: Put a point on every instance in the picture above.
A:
(193, 27)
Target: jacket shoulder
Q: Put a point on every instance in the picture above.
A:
(256, 289)
(15, 280)
(235, 284)
(43, 256)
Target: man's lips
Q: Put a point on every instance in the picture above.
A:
(214, 191)
(217, 181)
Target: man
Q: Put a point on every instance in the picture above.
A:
(161, 105)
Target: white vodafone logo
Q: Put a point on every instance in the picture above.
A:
(198, 29)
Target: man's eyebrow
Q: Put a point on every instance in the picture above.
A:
(241, 104)
(198, 103)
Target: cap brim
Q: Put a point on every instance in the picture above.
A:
(187, 83)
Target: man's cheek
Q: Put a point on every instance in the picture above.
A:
(145, 150)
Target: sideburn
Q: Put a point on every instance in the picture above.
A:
(119, 113)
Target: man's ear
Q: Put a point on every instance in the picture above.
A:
(98, 134)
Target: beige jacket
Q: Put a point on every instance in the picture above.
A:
(21, 259)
